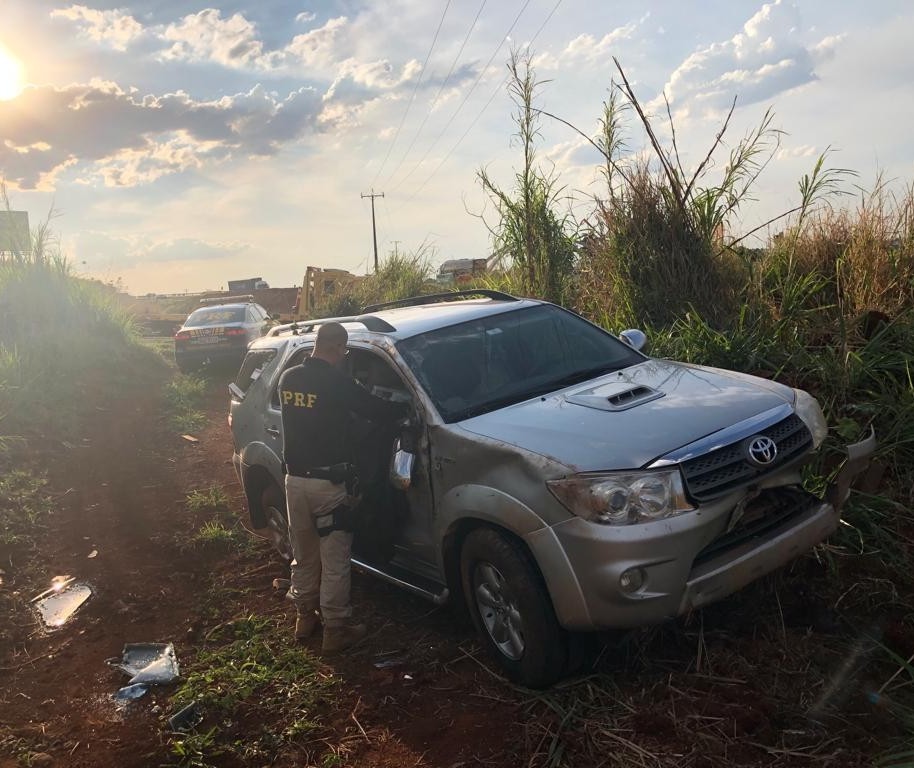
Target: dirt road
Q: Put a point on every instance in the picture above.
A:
(121, 492)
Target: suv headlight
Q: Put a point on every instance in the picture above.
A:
(622, 498)
(808, 409)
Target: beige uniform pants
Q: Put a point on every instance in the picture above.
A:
(320, 571)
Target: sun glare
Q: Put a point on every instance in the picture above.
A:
(10, 75)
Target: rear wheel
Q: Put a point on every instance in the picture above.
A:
(273, 501)
(511, 608)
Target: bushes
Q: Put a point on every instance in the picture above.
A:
(60, 336)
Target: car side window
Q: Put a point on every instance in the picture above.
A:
(294, 359)
(252, 367)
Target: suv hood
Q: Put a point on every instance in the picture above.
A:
(627, 419)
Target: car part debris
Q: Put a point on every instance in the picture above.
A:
(148, 663)
(57, 605)
(131, 692)
(186, 718)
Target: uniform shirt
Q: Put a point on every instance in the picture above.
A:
(317, 401)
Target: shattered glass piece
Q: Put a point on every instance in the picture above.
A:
(57, 605)
(131, 692)
(186, 718)
(150, 663)
(387, 663)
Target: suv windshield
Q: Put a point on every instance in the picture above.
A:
(478, 366)
(215, 316)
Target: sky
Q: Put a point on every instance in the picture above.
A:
(177, 145)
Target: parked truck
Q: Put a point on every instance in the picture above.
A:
(247, 285)
(320, 285)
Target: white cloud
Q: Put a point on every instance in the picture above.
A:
(766, 58)
(114, 28)
(126, 139)
(588, 49)
(304, 17)
(803, 150)
(320, 47)
(206, 36)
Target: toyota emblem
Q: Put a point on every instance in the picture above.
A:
(761, 450)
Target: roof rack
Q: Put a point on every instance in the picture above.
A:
(434, 298)
(370, 322)
(226, 299)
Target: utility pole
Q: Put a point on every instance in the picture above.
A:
(374, 232)
(396, 250)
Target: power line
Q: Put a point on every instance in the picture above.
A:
(440, 91)
(481, 112)
(415, 90)
(465, 98)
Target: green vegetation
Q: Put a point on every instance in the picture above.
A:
(183, 394)
(212, 499)
(23, 504)
(62, 338)
(258, 690)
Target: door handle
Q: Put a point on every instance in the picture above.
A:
(273, 431)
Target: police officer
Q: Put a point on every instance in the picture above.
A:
(317, 401)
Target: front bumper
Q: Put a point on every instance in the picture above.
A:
(687, 561)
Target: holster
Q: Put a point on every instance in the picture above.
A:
(340, 518)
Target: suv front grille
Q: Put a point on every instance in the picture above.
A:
(772, 508)
(721, 471)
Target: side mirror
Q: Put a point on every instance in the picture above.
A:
(634, 338)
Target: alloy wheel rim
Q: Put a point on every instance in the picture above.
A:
(497, 607)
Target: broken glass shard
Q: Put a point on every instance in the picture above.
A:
(130, 692)
(149, 663)
(57, 605)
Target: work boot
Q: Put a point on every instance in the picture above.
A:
(305, 624)
(342, 636)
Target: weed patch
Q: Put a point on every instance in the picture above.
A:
(183, 396)
(213, 498)
(23, 502)
(215, 535)
(251, 674)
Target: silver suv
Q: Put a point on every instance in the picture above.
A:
(552, 476)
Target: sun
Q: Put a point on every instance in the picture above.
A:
(11, 83)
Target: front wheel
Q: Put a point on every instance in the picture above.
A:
(511, 609)
(273, 502)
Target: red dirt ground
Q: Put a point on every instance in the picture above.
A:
(121, 491)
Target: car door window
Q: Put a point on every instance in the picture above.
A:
(294, 359)
(252, 368)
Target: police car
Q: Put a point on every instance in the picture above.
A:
(219, 331)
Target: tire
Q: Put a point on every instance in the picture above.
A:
(511, 609)
(273, 503)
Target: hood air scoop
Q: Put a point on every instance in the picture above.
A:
(615, 397)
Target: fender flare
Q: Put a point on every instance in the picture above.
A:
(482, 505)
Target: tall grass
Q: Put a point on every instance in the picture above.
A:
(61, 337)
(531, 235)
